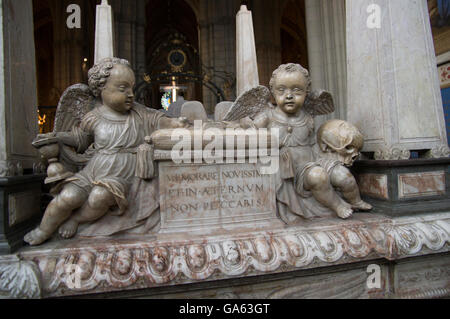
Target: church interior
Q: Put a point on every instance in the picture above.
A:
(191, 42)
(389, 77)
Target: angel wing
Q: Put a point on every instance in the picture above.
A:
(319, 102)
(75, 103)
(249, 104)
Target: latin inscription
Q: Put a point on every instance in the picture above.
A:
(198, 195)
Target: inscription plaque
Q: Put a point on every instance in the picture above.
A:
(201, 197)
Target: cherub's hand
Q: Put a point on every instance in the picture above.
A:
(148, 140)
(183, 122)
(246, 123)
(171, 123)
(45, 139)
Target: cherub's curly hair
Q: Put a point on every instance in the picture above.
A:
(290, 68)
(99, 73)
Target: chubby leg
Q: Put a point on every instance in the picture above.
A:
(344, 181)
(318, 182)
(98, 204)
(59, 209)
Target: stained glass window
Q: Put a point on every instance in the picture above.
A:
(166, 100)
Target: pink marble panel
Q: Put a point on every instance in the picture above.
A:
(421, 184)
(375, 185)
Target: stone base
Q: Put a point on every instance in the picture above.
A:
(405, 186)
(314, 259)
(413, 278)
(20, 209)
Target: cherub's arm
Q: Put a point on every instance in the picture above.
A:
(81, 136)
(78, 138)
(168, 123)
(68, 139)
(262, 120)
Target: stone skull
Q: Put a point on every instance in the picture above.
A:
(342, 139)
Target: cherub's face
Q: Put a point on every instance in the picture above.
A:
(290, 91)
(118, 91)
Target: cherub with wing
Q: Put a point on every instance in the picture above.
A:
(303, 172)
(99, 129)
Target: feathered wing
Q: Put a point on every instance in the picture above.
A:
(249, 104)
(319, 102)
(75, 103)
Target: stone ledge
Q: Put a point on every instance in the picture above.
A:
(121, 264)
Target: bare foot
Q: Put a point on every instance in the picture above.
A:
(36, 237)
(68, 229)
(362, 205)
(344, 212)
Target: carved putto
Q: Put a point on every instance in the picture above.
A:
(99, 130)
(308, 179)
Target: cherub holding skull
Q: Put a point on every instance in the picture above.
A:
(304, 170)
(113, 130)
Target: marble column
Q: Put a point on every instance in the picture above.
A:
(246, 62)
(393, 86)
(18, 95)
(104, 36)
(325, 24)
(20, 181)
